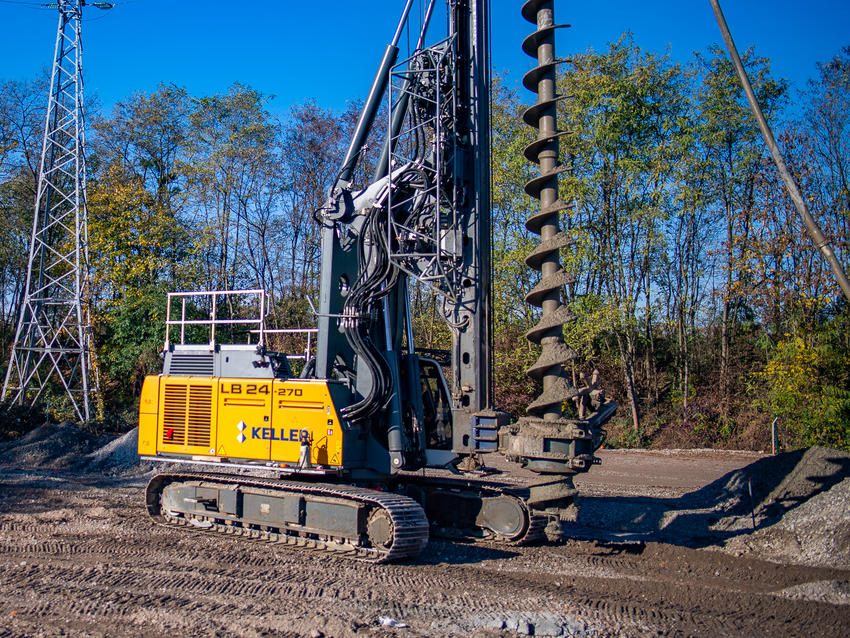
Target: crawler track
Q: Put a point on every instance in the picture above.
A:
(409, 525)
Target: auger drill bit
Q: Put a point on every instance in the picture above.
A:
(546, 441)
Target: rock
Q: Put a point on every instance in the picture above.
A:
(386, 621)
(834, 592)
(50, 445)
(121, 452)
(546, 627)
(495, 623)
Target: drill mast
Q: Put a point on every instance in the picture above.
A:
(370, 409)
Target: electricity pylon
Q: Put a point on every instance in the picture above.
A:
(53, 338)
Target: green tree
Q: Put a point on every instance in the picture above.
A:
(231, 167)
(21, 126)
(148, 136)
(827, 123)
(807, 385)
(623, 118)
(312, 142)
(511, 242)
(138, 251)
(735, 151)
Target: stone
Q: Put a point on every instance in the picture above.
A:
(546, 627)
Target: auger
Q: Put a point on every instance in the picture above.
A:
(547, 441)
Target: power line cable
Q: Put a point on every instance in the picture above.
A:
(39, 6)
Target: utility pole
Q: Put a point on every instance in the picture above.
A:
(53, 346)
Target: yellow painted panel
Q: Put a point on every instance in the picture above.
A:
(147, 434)
(148, 405)
(303, 411)
(244, 414)
(187, 415)
(149, 401)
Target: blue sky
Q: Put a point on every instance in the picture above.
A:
(328, 49)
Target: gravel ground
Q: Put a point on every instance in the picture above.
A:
(799, 510)
(79, 557)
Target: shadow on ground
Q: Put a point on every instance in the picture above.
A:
(721, 510)
(454, 552)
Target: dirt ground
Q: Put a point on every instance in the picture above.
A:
(79, 557)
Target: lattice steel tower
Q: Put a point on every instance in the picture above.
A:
(53, 338)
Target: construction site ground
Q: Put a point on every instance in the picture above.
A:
(663, 545)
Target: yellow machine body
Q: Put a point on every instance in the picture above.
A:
(240, 419)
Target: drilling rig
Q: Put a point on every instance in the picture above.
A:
(335, 458)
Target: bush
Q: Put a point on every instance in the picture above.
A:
(17, 420)
(806, 383)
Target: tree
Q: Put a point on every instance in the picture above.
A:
(735, 149)
(623, 120)
(311, 146)
(21, 126)
(511, 242)
(138, 251)
(827, 127)
(148, 136)
(230, 168)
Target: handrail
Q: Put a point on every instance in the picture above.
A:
(308, 331)
(213, 321)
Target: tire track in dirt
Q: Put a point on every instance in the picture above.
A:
(668, 604)
(93, 564)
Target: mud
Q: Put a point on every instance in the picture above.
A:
(79, 557)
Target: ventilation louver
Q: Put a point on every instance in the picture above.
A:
(187, 415)
(196, 365)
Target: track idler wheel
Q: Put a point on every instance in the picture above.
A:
(504, 516)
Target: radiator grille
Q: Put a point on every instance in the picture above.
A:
(200, 415)
(174, 415)
(187, 415)
(198, 365)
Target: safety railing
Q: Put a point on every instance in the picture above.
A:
(309, 332)
(213, 321)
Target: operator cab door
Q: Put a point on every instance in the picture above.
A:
(437, 414)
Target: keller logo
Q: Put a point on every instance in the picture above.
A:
(272, 434)
(279, 434)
